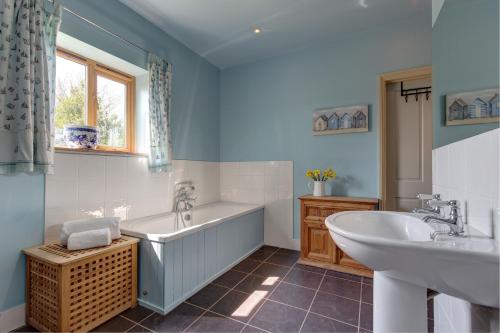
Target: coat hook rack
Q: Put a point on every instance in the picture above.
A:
(415, 92)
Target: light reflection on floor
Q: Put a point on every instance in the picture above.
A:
(246, 308)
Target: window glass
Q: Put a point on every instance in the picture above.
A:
(88, 93)
(112, 112)
(71, 96)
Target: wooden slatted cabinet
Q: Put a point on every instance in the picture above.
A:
(76, 291)
(317, 245)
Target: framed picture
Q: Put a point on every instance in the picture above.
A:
(475, 107)
(339, 120)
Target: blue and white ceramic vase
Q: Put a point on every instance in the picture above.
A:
(81, 136)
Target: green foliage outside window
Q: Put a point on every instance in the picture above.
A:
(70, 110)
(70, 105)
(111, 127)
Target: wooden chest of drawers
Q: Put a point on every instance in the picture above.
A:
(317, 245)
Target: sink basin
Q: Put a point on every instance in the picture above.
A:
(398, 247)
(381, 225)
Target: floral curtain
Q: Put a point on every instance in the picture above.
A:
(27, 85)
(160, 90)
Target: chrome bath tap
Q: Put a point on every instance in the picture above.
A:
(454, 221)
(184, 196)
(183, 202)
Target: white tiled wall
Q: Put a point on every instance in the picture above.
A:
(205, 176)
(468, 171)
(97, 185)
(455, 315)
(269, 183)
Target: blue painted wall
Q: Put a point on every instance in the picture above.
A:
(266, 107)
(195, 85)
(465, 53)
(195, 110)
(22, 223)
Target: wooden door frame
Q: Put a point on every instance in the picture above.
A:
(384, 80)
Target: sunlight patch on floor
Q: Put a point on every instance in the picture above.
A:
(270, 281)
(246, 308)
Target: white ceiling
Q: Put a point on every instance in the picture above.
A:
(221, 30)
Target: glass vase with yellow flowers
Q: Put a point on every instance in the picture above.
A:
(319, 179)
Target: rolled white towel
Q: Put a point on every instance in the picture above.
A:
(89, 239)
(111, 223)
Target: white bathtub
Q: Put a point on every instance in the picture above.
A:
(176, 261)
(167, 227)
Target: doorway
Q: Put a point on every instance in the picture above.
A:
(405, 138)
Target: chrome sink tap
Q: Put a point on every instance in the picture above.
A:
(454, 221)
(428, 208)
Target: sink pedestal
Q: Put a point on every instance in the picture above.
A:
(398, 306)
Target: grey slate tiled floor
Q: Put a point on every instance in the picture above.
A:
(267, 292)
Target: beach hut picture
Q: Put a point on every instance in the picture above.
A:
(338, 120)
(474, 107)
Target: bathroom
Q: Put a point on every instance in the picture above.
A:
(226, 231)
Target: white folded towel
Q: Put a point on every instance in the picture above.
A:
(89, 239)
(111, 223)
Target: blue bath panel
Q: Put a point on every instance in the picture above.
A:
(211, 252)
(171, 272)
(151, 268)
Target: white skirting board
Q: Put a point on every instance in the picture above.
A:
(12, 318)
(292, 244)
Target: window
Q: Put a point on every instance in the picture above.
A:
(88, 93)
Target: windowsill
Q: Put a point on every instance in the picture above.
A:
(101, 152)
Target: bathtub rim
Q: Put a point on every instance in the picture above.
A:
(163, 238)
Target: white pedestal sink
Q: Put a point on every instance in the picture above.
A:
(398, 247)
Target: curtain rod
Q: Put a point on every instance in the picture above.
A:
(106, 30)
(101, 28)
